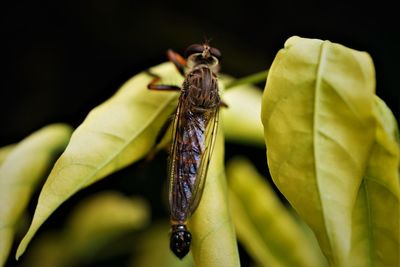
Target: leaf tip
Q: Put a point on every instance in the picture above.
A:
(20, 251)
(24, 242)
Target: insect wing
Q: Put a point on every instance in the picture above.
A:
(178, 200)
(210, 137)
(193, 142)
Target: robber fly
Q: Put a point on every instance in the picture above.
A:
(194, 132)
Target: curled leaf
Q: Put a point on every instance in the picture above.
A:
(319, 127)
(22, 170)
(214, 241)
(117, 133)
(376, 215)
(264, 226)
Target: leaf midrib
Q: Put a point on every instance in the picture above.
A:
(97, 169)
(138, 133)
(318, 88)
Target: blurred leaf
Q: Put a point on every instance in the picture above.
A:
(319, 128)
(153, 250)
(5, 151)
(101, 219)
(214, 241)
(22, 170)
(117, 133)
(255, 78)
(92, 227)
(376, 216)
(264, 226)
(241, 119)
(48, 250)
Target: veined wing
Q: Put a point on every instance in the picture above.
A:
(193, 142)
(210, 137)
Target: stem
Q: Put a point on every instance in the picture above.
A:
(251, 79)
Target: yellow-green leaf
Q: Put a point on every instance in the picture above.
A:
(152, 249)
(164, 142)
(90, 231)
(48, 250)
(214, 241)
(319, 127)
(22, 170)
(100, 220)
(117, 133)
(241, 120)
(264, 226)
(5, 151)
(376, 216)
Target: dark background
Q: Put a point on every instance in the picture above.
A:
(62, 58)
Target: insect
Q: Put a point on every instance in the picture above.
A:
(194, 132)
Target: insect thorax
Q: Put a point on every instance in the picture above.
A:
(200, 88)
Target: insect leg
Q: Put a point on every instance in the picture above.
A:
(162, 87)
(178, 61)
(223, 104)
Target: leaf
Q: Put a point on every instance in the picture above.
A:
(5, 151)
(376, 216)
(115, 134)
(21, 171)
(93, 226)
(241, 119)
(255, 78)
(164, 143)
(153, 249)
(100, 220)
(48, 250)
(319, 127)
(214, 241)
(264, 226)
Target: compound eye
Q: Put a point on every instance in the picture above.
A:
(193, 49)
(216, 53)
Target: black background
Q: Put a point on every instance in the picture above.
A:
(62, 58)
